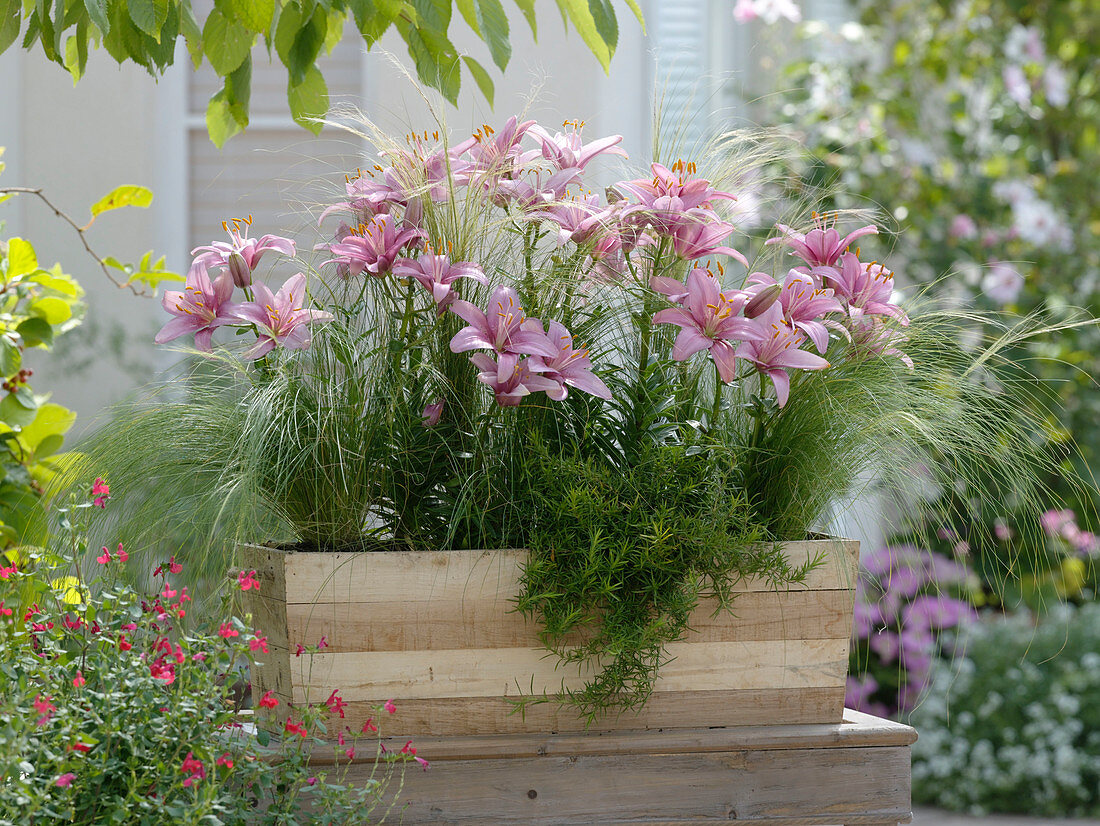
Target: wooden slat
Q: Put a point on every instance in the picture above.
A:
(491, 672)
(491, 623)
(424, 576)
(811, 785)
(446, 717)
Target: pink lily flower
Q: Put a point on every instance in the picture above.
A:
(871, 335)
(673, 190)
(578, 219)
(776, 351)
(864, 288)
(821, 246)
(608, 260)
(510, 378)
(709, 320)
(567, 150)
(675, 291)
(372, 247)
(503, 328)
(499, 152)
(436, 274)
(803, 305)
(571, 366)
(279, 318)
(433, 412)
(242, 255)
(200, 308)
(368, 197)
(527, 195)
(700, 237)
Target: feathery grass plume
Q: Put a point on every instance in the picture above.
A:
(505, 359)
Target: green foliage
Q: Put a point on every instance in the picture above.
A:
(1013, 725)
(145, 32)
(976, 124)
(110, 712)
(621, 557)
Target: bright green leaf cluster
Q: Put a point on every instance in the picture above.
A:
(297, 31)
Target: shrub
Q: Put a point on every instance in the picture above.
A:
(1013, 725)
(112, 712)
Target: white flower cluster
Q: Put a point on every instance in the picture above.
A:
(1014, 725)
(1034, 220)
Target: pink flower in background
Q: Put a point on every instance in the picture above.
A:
(65, 780)
(280, 318)
(571, 366)
(371, 247)
(579, 218)
(45, 708)
(368, 196)
(268, 700)
(436, 274)
(769, 11)
(336, 703)
(673, 191)
(530, 192)
(194, 768)
(709, 320)
(1002, 282)
(963, 227)
(100, 493)
(568, 151)
(501, 327)
(390, 709)
(200, 308)
(247, 580)
(242, 254)
(290, 727)
(776, 351)
(1016, 84)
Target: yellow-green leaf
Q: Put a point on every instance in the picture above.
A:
(52, 420)
(123, 196)
(21, 259)
(581, 17)
(54, 310)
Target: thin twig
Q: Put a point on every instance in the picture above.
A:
(122, 285)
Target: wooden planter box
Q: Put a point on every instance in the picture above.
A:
(435, 632)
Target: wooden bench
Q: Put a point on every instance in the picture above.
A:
(848, 773)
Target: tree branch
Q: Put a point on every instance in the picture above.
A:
(122, 285)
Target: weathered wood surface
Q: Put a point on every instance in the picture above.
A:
(437, 631)
(855, 772)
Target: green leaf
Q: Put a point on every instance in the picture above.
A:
(581, 17)
(309, 100)
(528, 9)
(10, 21)
(490, 23)
(374, 17)
(123, 196)
(434, 14)
(54, 310)
(192, 34)
(481, 77)
(97, 12)
(436, 59)
(149, 15)
(238, 92)
(254, 15)
(634, 7)
(286, 29)
(11, 359)
(25, 399)
(220, 123)
(76, 51)
(35, 331)
(306, 46)
(606, 24)
(21, 259)
(52, 420)
(226, 43)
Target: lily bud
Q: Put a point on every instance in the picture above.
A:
(238, 268)
(414, 213)
(764, 299)
(432, 413)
